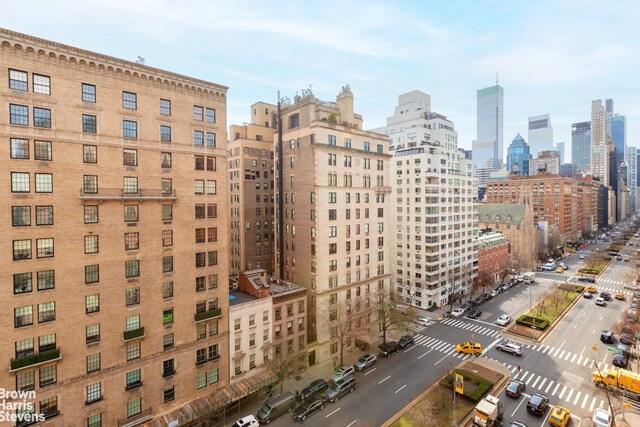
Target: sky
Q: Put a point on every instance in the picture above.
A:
(552, 57)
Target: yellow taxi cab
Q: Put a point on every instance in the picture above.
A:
(619, 295)
(559, 417)
(571, 250)
(469, 348)
(591, 289)
(559, 270)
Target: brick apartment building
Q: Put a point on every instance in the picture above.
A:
(493, 254)
(114, 235)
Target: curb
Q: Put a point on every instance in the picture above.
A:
(559, 319)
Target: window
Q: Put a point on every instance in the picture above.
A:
(92, 303)
(212, 210)
(167, 264)
(133, 350)
(22, 283)
(93, 363)
(198, 113)
(91, 244)
(43, 150)
(132, 268)
(19, 115)
(20, 216)
(26, 381)
(133, 379)
(46, 280)
(44, 183)
(167, 237)
(211, 115)
(212, 234)
(213, 281)
(94, 392)
(89, 124)
(167, 290)
(48, 375)
(130, 213)
(41, 84)
(21, 249)
(129, 157)
(168, 394)
(92, 333)
(90, 154)
(200, 237)
(165, 107)
(211, 139)
(18, 80)
(211, 163)
(19, 148)
(129, 100)
(165, 133)
(88, 93)
(41, 117)
(167, 341)
(91, 274)
(167, 316)
(46, 312)
(129, 129)
(366, 146)
(165, 160)
(130, 185)
(166, 185)
(90, 214)
(94, 420)
(211, 186)
(198, 138)
(198, 186)
(90, 184)
(20, 182)
(212, 258)
(332, 140)
(44, 248)
(167, 212)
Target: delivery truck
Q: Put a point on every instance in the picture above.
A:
(619, 379)
(529, 277)
(488, 412)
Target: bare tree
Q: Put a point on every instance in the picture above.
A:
(592, 260)
(392, 316)
(345, 320)
(483, 280)
(283, 367)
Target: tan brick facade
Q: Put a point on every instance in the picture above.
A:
(125, 165)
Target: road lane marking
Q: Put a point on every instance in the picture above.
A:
(328, 415)
(546, 390)
(567, 356)
(400, 388)
(424, 354)
(491, 345)
(600, 317)
(516, 410)
(557, 351)
(536, 382)
(583, 348)
(603, 359)
(443, 357)
(575, 401)
(381, 381)
(568, 399)
(584, 402)
(574, 358)
(593, 403)
(553, 393)
(562, 354)
(352, 423)
(368, 372)
(410, 348)
(575, 326)
(593, 332)
(544, 380)
(530, 377)
(564, 388)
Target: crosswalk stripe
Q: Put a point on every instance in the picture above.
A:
(601, 404)
(567, 357)
(550, 351)
(564, 388)
(544, 380)
(534, 347)
(561, 354)
(593, 403)
(585, 361)
(546, 390)
(553, 393)
(575, 401)
(574, 358)
(584, 402)
(530, 378)
(556, 352)
(568, 399)
(536, 382)
(580, 360)
(442, 344)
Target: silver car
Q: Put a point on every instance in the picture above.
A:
(365, 361)
(510, 347)
(343, 372)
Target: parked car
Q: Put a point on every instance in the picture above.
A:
(365, 361)
(422, 321)
(588, 295)
(406, 341)
(469, 348)
(515, 389)
(632, 287)
(313, 389)
(308, 408)
(474, 314)
(605, 296)
(600, 301)
(510, 347)
(581, 257)
(538, 404)
(388, 348)
(337, 389)
(248, 421)
(620, 360)
(342, 372)
(626, 339)
(587, 279)
(503, 320)
(494, 293)
(457, 312)
(276, 406)
(607, 337)
(601, 418)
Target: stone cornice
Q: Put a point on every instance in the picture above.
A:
(46, 49)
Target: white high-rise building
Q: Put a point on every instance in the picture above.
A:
(540, 134)
(600, 142)
(631, 157)
(488, 148)
(433, 191)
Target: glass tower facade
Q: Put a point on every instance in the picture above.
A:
(518, 155)
(581, 146)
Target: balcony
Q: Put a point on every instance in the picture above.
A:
(35, 359)
(133, 334)
(119, 194)
(206, 315)
(137, 419)
(383, 188)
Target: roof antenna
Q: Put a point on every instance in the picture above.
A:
(496, 78)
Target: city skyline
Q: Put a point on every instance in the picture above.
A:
(450, 51)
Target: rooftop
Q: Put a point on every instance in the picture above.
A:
(239, 297)
(501, 213)
(491, 239)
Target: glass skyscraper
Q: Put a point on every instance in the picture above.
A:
(618, 133)
(581, 146)
(518, 155)
(488, 148)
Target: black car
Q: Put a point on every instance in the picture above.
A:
(587, 279)
(607, 337)
(389, 348)
(406, 341)
(605, 296)
(474, 314)
(316, 387)
(538, 404)
(308, 408)
(620, 360)
(515, 389)
(517, 424)
(626, 339)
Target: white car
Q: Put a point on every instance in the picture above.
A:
(503, 320)
(494, 293)
(632, 287)
(423, 321)
(248, 421)
(457, 312)
(581, 257)
(600, 301)
(601, 418)
(519, 277)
